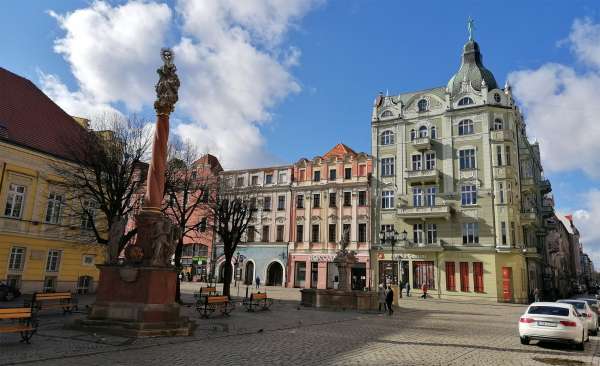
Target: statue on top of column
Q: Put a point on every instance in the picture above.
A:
(168, 83)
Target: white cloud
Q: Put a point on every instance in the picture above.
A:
(561, 104)
(231, 61)
(587, 220)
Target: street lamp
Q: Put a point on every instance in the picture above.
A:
(390, 236)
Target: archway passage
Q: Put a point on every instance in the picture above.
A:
(248, 277)
(275, 274)
(221, 277)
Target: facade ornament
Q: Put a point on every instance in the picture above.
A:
(168, 84)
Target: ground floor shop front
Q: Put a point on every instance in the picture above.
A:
(257, 261)
(456, 274)
(319, 271)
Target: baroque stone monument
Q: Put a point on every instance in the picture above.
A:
(138, 297)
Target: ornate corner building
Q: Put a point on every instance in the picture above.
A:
(456, 171)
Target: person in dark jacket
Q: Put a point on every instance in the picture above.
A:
(389, 299)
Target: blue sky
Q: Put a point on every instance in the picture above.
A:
(325, 62)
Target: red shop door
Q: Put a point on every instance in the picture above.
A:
(507, 289)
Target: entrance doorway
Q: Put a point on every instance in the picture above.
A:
(507, 288)
(358, 279)
(275, 274)
(404, 272)
(249, 275)
(388, 272)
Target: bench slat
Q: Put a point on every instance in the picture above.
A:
(217, 299)
(208, 289)
(259, 296)
(15, 316)
(44, 294)
(15, 310)
(57, 297)
(16, 328)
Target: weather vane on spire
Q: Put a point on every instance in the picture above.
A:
(471, 27)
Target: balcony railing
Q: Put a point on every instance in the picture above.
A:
(422, 143)
(438, 211)
(528, 216)
(502, 135)
(422, 176)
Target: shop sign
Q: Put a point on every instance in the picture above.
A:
(322, 258)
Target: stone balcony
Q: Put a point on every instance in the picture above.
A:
(412, 247)
(504, 172)
(528, 216)
(422, 143)
(547, 211)
(422, 176)
(502, 135)
(45, 230)
(424, 212)
(545, 186)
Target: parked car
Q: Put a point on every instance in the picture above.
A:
(589, 316)
(593, 303)
(8, 292)
(553, 321)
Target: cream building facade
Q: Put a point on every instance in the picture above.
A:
(450, 175)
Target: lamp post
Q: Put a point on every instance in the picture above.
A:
(389, 236)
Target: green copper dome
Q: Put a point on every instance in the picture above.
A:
(471, 70)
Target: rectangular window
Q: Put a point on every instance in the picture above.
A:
(503, 232)
(315, 234)
(513, 239)
(450, 276)
(431, 233)
(470, 233)
(362, 170)
(464, 276)
(362, 198)
(417, 196)
(299, 233)
(416, 162)
(300, 201)
(240, 181)
(300, 279)
(205, 195)
(203, 225)
(468, 195)
(430, 161)
(418, 233)
(269, 179)
(332, 233)
(467, 159)
(267, 203)
(17, 259)
(252, 203)
(255, 180)
(279, 233)
(302, 175)
(387, 227)
(362, 233)
(282, 177)
(265, 234)
(55, 207)
(314, 274)
(348, 173)
(49, 284)
(387, 167)
(332, 199)
(387, 199)
(88, 214)
(507, 155)
(316, 200)
(347, 198)
(346, 230)
(499, 155)
(423, 274)
(478, 276)
(317, 175)
(332, 174)
(14, 201)
(430, 193)
(53, 262)
(250, 234)
(281, 203)
(501, 192)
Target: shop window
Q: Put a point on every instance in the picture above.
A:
(314, 274)
(464, 276)
(478, 276)
(423, 273)
(450, 276)
(300, 278)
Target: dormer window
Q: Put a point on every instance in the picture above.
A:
(387, 138)
(387, 114)
(433, 132)
(465, 101)
(423, 105)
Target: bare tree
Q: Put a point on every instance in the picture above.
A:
(106, 174)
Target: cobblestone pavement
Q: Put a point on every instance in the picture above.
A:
(421, 332)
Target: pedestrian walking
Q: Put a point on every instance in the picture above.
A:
(424, 288)
(257, 282)
(536, 295)
(407, 289)
(389, 299)
(381, 294)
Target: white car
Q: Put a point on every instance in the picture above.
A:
(589, 316)
(552, 321)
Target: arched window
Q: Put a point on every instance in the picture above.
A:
(423, 105)
(465, 127)
(387, 138)
(387, 114)
(413, 134)
(498, 124)
(466, 101)
(433, 132)
(497, 98)
(422, 131)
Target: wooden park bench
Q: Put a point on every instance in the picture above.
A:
(212, 303)
(258, 300)
(62, 300)
(18, 320)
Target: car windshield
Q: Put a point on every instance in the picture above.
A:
(548, 310)
(579, 305)
(591, 302)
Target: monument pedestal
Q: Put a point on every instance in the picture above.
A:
(361, 301)
(136, 301)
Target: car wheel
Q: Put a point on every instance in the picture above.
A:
(581, 346)
(524, 340)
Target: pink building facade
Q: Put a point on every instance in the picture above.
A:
(330, 196)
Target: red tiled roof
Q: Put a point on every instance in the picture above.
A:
(339, 150)
(29, 118)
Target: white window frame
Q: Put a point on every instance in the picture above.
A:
(423, 105)
(15, 200)
(466, 127)
(470, 232)
(416, 162)
(88, 205)
(17, 252)
(498, 124)
(423, 132)
(54, 208)
(418, 197)
(467, 162)
(418, 234)
(387, 138)
(430, 196)
(466, 101)
(53, 260)
(430, 160)
(387, 167)
(431, 233)
(468, 194)
(387, 199)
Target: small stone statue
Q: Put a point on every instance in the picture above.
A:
(164, 239)
(168, 83)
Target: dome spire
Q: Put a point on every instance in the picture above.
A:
(471, 27)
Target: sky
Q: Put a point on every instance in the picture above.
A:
(271, 81)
